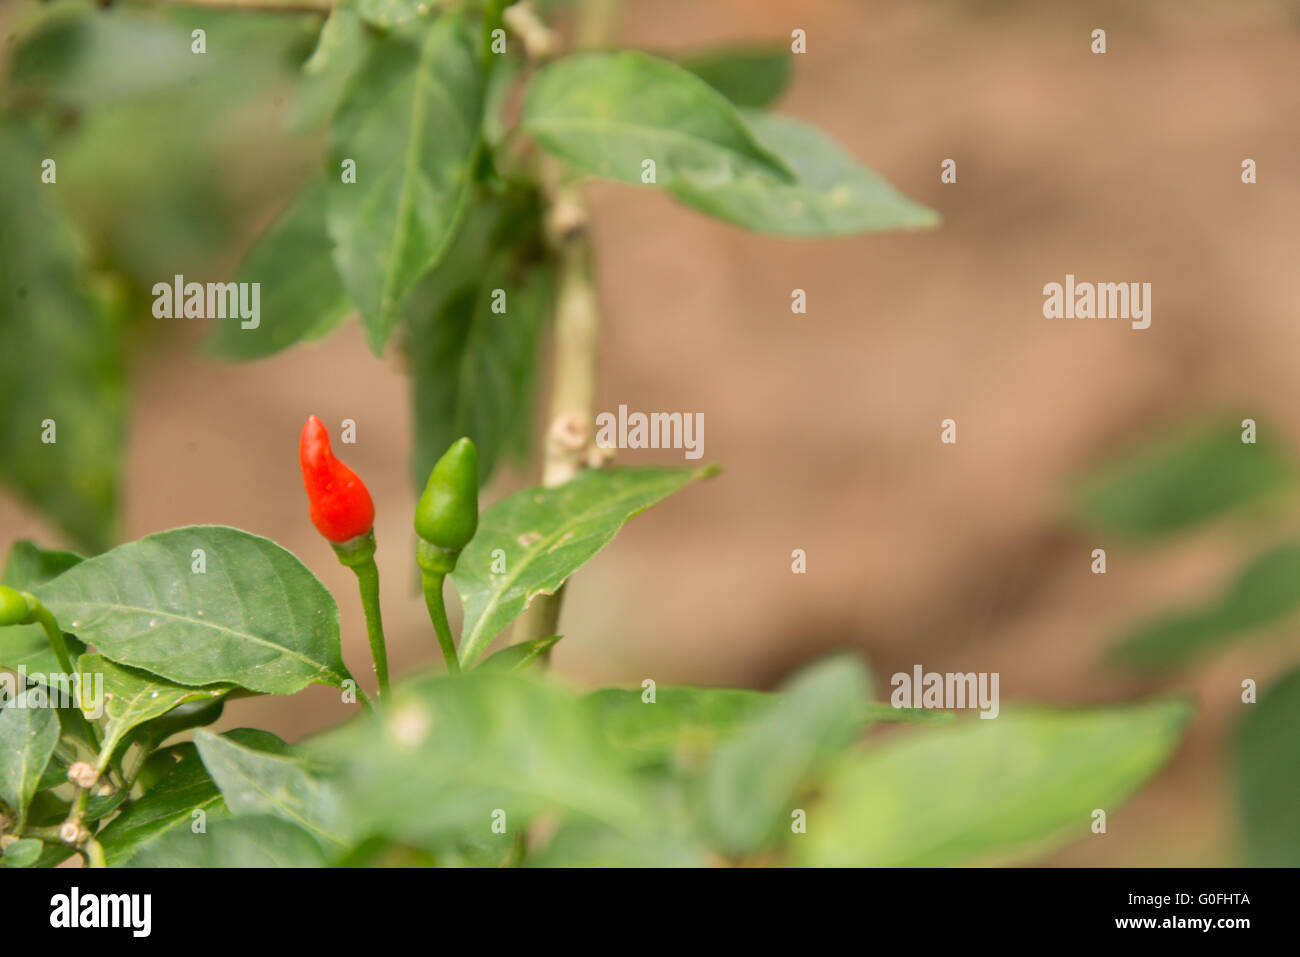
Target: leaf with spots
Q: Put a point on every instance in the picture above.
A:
(546, 534)
(128, 698)
(256, 617)
(28, 734)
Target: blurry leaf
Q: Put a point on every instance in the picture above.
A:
(608, 112)
(301, 295)
(87, 58)
(159, 199)
(686, 719)
(256, 782)
(340, 49)
(474, 368)
(986, 790)
(1172, 484)
(449, 751)
(169, 805)
(61, 362)
(261, 841)
(389, 13)
(1268, 775)
(29, 730)
(448, 321)
(1264, 591)
(257, 617)
(495, 99)
(25, 645)
(832, 195)
(747, 76)
(520, 656)
(23, 853)
(28, 565)
(547, 534)
(410, 119)
(589, 844)
(749, 789)
(130, 698)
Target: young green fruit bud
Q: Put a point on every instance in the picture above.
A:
(447, 513)
(13, 607)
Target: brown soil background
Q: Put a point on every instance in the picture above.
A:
(1117, 167)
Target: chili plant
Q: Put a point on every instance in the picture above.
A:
(446, 214)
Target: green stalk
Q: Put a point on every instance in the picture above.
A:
(432, 582)
(359, 555)
(368, 581)
(54, 635)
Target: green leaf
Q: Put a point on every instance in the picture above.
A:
(169, 805)
(747, 76)
(389, 13)
(171, 802)
(586, 844)
(450, 751)
(520, 656)
(410, 119)
(1179, 481)
(748, 791)
(301, 296)
(340, 48)
(987, 790)
(687, 720)
(62, 361)
(832, 195)
(25, 646)
(1268, 775)
(28, 565)
(23, 853)
(1266, 591)
(547, 534)
(245, 842)
(447, 321)
(257, 782)
(474, 368)
(129, 698)
(257, 617)
(28, 733)
(606, 113)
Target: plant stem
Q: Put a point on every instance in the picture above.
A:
(368, 581)
(358, 554)
(577, 326)
(432, 582)
(54, 635)
(94, 853)
(573, 390)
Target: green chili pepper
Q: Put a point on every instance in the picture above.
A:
(447, 514)
(14, 609)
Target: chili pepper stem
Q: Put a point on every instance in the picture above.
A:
(368, 581)
(433, 582)
(359, 555)
(54, 635)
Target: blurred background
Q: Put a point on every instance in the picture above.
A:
(971, 557)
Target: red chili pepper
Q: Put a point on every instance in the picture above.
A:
(341, 507)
